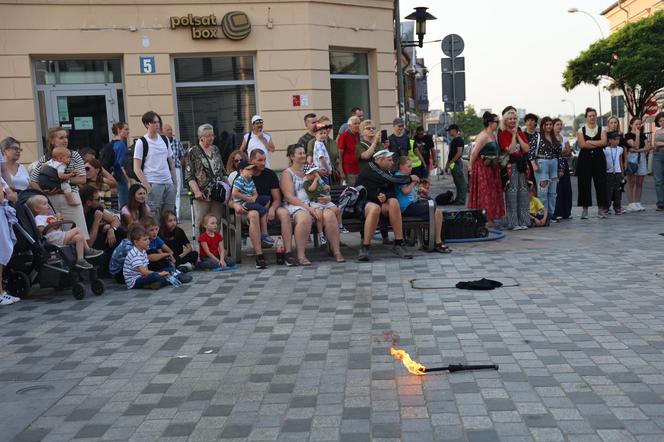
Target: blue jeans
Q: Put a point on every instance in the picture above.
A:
(260, 205)
(152, 277)
(123, 188)
(548, 171)
(658, 174)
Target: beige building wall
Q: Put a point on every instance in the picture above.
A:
(621, 12)
(289, 40)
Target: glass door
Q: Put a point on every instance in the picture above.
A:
(87, 114)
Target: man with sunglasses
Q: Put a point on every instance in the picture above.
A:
(104, 227)
(256, 138)
(155, 169)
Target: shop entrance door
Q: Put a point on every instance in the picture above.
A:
(88, 114)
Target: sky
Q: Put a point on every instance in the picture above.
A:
(515, 51)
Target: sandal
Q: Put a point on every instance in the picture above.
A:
(442, 248)
(339, 258)
(304, 262)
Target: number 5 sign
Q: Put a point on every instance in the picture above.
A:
(147, 65)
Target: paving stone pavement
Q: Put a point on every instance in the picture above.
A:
(297, 354)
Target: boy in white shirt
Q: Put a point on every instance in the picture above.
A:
(615, 161)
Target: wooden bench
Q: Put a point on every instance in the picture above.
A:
(420, 230)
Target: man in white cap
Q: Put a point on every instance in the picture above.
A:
(380, 184)
(257, 139)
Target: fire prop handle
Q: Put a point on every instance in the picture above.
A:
(460, 367)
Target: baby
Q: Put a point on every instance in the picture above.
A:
(53, 175)
(315, 188)
(40, 207)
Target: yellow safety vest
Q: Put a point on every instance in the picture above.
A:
(413, 156)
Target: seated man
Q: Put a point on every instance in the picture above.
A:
(105, 228)
(377, 178)
(267, 183)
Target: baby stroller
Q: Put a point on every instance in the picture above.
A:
(34, 260)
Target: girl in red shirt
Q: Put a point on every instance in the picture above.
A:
(212, 254)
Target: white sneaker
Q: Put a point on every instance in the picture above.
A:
(640, 207)
(5, 299)
(631, 207)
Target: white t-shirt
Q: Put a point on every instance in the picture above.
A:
(256, 143)
(155, 168)
(21, 180)
(44, 220)
(613, 159)
(321, 151)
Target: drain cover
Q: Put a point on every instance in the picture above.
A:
(35, 389)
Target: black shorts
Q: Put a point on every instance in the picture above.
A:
(417, 210)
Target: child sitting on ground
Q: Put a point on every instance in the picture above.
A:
(244, 194)
(213, 256)
(175, 238)
(315, 188)
(52, 174)
(120, 254)
(159, 254)
(40, 207)
(135, 268)
(537, 211)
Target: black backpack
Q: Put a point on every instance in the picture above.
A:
(352, 201)
(129, 159)
(107, 156)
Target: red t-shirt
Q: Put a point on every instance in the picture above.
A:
(212, 243)
(505, 139)
(347, 142)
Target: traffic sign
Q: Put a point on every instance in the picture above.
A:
(452, 45)
(651, 108)
(453, 64)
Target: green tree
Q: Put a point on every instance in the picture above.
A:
(632, 58)
(469, 122)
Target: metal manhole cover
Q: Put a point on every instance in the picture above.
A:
(35, 389)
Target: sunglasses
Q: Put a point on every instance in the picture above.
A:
(100, 198)
(237, 161)
(370, 128)
(17, 149)
(258, 122)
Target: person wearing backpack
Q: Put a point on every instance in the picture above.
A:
(113, 159)
(154, 167)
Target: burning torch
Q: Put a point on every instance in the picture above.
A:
(416, 368)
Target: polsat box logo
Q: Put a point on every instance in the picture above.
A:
(234, 25)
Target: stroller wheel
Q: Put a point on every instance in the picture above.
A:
(18, 284)
(97, 286)
(78, 290)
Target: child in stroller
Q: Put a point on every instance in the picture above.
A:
(48, 225)
(34, 260)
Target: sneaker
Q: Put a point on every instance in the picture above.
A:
(261, 263)
(184, 268)
(267, 241)
(601, 215)
(290, 260)
(83, 264)
(640, 207)
(400, 249)
(321, 239)
(14, 298)
(343, 229)
(524, 227)
(659, 208)
(184, 278)
(93, 253)
(632, 207)
(584, 214)
(620, 211)
(364, 254)
(5, 299)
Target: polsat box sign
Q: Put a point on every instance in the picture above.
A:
(234, 25)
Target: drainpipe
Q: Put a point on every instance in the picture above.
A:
(400, 87)
(622, 8)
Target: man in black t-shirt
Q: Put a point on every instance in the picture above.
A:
(267, 183)
(310, 123)
(399, 141)
(424, 142)
(455, 165)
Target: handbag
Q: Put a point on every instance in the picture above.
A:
(219, 190)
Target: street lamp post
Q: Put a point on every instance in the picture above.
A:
(420, 16)
(573, 107)
(599, 88)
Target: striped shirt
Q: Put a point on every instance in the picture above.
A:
(245, 187)
(75, 163)
(135, 259)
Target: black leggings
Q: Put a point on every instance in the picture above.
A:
(591, 167)
(191, 257)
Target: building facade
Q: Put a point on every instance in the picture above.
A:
(86, 64)
(621, 12)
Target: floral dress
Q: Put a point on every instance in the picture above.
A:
(486, 187)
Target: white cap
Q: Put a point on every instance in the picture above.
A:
(384, 153)
(255, 118)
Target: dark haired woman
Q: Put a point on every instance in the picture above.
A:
(175, 238)
(485, 183)
(658, 159)
(564, 188)
(100, 179)
(544, 155)
(121, 132)
(637, 148)
(591, 165)
(59, 137)
(137, 208)
(517, 200)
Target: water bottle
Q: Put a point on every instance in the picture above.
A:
(279, 246)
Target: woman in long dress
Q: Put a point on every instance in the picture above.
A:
(485, 183)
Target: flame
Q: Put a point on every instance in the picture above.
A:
(412, 366)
